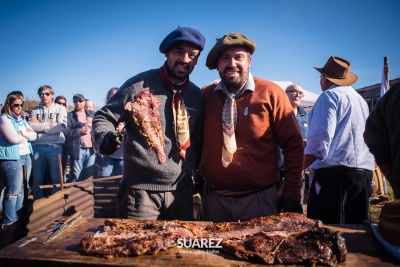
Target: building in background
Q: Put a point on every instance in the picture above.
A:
(371, 93)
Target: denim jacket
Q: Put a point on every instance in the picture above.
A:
(302, 120)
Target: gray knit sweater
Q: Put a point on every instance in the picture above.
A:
(141, 169)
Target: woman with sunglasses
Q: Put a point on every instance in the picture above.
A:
(15, 151)
(61, 100)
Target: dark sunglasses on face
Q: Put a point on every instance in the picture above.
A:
(61, 103)
(42, 94)
(76, 101)
(18, 105)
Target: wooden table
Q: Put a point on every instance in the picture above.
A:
(363, 250)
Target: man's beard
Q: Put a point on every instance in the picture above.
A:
(176, 74)
(236, 83)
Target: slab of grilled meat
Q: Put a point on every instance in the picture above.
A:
(286, 238)
(143, 108)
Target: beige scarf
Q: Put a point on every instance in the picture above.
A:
(229, 120)
(181, 123)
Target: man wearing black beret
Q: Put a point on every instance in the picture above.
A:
(158, 186)
(246, 120)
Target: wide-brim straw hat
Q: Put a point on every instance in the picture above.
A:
(230, 39)
(337, 70)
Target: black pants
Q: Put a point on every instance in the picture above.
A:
(340, 195)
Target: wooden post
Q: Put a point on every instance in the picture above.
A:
(386, 71)
(60, 168)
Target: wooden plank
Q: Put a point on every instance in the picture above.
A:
(363, 250)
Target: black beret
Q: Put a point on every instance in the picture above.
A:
(183, 34)
(230, 39)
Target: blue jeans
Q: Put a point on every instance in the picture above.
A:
(12, 172)
(45, 155)
(83, 168)
(108, 166)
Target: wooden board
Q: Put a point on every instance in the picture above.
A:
(363, 250)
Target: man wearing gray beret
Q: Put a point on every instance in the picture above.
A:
(162, 144)
(246, 120)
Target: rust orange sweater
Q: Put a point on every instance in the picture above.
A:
(270, 123)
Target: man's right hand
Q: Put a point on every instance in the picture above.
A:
(111, 142)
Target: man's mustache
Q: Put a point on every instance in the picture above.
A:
(183, 64)
(232, 69)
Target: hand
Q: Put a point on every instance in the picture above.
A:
(53, 123)
(84, 129)
(289, 205)
(111, 142)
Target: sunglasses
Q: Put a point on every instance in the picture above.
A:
(42, 94)
(76, 101)
(18, 105)
(61, 103)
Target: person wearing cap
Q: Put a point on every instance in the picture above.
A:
(78, 140)
(49, 121)
(246, 120)
(335, 149)
(151, 190)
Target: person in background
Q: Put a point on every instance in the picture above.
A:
(151, 190)
(2, 185)
(382, 136)
(89, 105)
(110, 93)
(78, 140)
(15, 151)
(295, 94)
(49, 121)
(111, 165)
(336, 149)
(19, 93)
(246, 120)
(61, 100)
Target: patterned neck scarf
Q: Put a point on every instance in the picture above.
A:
(18, 117)
(181, 120)
(229, 120)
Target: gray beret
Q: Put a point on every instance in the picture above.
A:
(230, 39)
(183, 34)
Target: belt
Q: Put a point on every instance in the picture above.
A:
(235, 193)
(344, 168)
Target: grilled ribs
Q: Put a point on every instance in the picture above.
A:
(286, 238)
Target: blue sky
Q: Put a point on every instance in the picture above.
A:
(88, 46)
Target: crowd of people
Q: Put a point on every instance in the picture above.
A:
(242, 143)
(33, 146)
